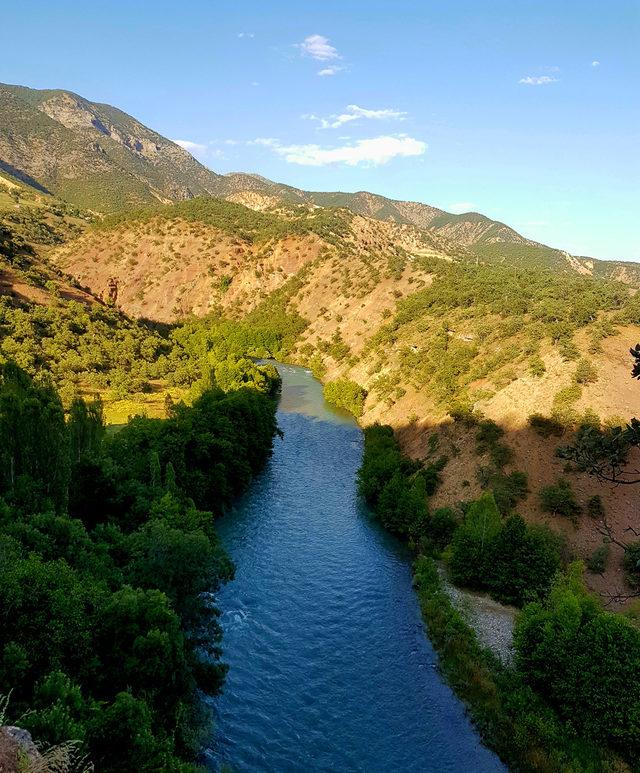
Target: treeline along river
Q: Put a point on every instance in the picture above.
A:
(330, 668)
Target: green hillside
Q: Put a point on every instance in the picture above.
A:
(91, 154)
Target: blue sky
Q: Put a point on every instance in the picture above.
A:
(525, 111)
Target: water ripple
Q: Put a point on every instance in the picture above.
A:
(329, 667)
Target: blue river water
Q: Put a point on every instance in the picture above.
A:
(330, 667)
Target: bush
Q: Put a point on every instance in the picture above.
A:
(597, 563)
(536, 366)
(346, 394)
(595, 508)
(489, 440)
(586, 372)
(545, 426)
(559, 499)
(631, 563)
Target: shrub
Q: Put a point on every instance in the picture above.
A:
(536, 366)
(346, 394)
(631, 563)
(559, 499)
(586, 372)
(597, 563)
(595, 508)
(489, 440)
(509, 489)
(545, 426)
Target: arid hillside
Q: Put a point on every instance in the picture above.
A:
(31, 226)
(439, 339)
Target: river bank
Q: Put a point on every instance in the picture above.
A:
(330, 666)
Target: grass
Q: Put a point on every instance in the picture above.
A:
(151, 404)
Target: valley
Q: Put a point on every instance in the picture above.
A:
(491, 376)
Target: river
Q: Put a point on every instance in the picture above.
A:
(330, 668)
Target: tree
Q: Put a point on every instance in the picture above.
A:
(584, 661)
(604, 454)
(524, 562)
(472, 545)
(559, 499)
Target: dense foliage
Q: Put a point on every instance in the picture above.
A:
(513, 561)
(394, 486)
(566, 701)
(108, 555)
(585, 661)
(83, 346)
(513, 718)
(346, 394)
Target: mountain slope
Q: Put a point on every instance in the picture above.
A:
(90, 154)
(32, 224)
(490, 240)
(102, 159)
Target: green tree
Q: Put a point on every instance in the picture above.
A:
(472, 544)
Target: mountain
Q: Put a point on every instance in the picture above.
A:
(92, 155)
(490, 240)
(99, 158)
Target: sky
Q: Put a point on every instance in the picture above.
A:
(527, 111)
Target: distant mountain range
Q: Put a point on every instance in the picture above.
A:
(99, 158)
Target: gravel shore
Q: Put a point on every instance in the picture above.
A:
(492, 622)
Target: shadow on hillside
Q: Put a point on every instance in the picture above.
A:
(462, 481)
(23, 176)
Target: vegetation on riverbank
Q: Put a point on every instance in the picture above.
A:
(510, 716)
(571, 702)
(108, 555)
(345, 394)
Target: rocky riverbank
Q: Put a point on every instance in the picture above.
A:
(492, 622)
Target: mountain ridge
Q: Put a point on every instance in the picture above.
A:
(98, 157)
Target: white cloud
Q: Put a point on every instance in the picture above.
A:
(333, 70)
(318, 47)
(461, 206)
(369, 152)
(192, 147)
(595, 63)
(354, 113)
(267, 142)
(246, 34)
(537, 80)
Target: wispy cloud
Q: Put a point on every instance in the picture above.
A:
(538, 80)
(192, 147)
(461, 206)
(333, 70)
(595, 63)
(246, 34)
(318, 47)
(370, 152)
(355, 113)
